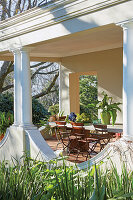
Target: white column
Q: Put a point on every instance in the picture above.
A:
(128, 81)
(17, 68)
(25, 92)
(64, 99)
(60, 89)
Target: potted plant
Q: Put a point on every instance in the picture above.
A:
(60, 122)
(67, 119)
(108, 109)
(78, 120)
(72, 117)
(54, 110)
(61, 116)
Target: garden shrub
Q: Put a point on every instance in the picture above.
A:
(6, 102)
(38, 111)
(7, 105)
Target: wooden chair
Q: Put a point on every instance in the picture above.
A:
(88, 146)
(62, 135)
(103, 139)
(67, 139)
(100, 128)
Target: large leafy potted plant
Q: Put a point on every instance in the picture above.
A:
(108, 109)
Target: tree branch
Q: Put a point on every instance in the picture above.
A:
(34, 3)
(37, 65)
(43, 67)
(52, 72)
(7, 87)
(48, 90)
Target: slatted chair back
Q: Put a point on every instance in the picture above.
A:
(100, 128)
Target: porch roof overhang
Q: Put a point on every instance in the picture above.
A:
(65, 28)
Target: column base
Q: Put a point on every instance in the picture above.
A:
(28, 126)
(15, 124)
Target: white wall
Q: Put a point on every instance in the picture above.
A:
(109, 67)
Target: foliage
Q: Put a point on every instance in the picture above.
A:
(6, 102)
(67, 119)
(82, 118)
(78, 118)
(40, 180)
(38, 112)
(61, 113)
(106, 105)
(6, 119)
(54, 109)
(88, 95)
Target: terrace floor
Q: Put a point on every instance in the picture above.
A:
(73, 156)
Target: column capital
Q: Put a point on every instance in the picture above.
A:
(25, 49)
(20, 49)
(128, 24)
(14, 50)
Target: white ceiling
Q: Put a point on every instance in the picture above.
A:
(97, 39)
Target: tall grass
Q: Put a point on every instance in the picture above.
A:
(35, 180)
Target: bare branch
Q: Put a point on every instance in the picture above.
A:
(23, 6)
(34, 3)
(29, 4)
(48, 90)
(4, 9)
(10, 67)
(37, 65)
(9, 8)
(52, 72)
(17, 7)
(7, 87)
(43, 67)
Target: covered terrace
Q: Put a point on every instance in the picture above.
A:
(85, 37)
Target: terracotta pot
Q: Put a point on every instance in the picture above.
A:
(60, 122)
(1, 137)
(62, 118)
(78, 124)
(71, 123)
(52, 118)
(105, 116)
